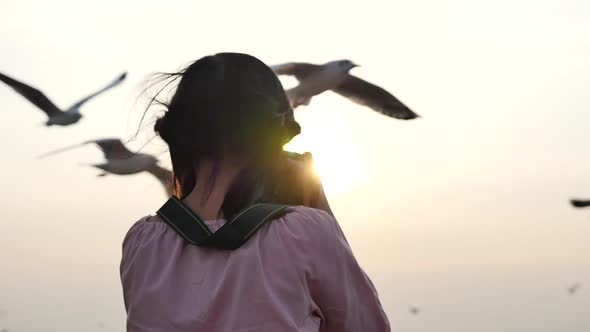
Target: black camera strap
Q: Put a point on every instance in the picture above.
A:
(232, 235)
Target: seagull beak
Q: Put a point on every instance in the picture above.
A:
(355, 65)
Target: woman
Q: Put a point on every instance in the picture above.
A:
(225, 127)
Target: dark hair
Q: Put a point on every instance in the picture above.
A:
(226, 104)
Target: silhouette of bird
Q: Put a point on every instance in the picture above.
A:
(56, 116)
(315, 79)
(579, 203)
(414, 310)
(121, 161)
(573, 289)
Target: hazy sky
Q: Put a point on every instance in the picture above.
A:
(463, 212)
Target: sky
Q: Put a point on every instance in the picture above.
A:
(463, 212)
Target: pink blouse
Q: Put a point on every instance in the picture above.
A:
(296, 273)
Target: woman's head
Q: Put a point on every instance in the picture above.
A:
(226, 106)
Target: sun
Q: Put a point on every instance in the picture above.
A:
(339, 174)
(339, 169)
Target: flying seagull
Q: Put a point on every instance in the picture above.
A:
(573, 289)
(55, 114)
(315, 79)
(121, 161)
(580, 203)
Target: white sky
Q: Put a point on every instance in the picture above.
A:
(463, 212)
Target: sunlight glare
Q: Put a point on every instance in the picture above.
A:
(339, 164)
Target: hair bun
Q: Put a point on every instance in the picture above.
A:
(292, 129)
(159, 128)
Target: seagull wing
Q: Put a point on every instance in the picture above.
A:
(33, 95)
(375, 97)
(164, 176)
(298, 69)
(60, 150)
(113, 148)
(111, 85)
(579, 203)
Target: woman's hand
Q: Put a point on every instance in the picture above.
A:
(299, 184)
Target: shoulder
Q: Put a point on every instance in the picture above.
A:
(142, 232)
(137, 228)
(306, 217)
(312, 239)
(314, 228)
